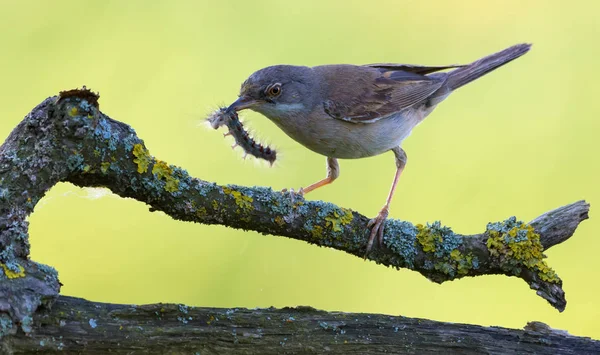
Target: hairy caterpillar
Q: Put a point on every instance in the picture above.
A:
(241, 136)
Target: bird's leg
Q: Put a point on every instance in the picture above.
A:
(333, 171)
(377, 223)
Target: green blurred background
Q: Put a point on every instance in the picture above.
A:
(520, 141)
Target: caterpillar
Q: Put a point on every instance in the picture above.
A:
(241, 136)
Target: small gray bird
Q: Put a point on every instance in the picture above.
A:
(357, 111)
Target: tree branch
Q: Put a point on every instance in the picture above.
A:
(74, 325)
(67, 138)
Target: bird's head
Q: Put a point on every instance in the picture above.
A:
(278, 92)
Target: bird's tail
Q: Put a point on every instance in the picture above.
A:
(470, 72)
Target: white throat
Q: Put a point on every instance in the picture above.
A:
(277, 111)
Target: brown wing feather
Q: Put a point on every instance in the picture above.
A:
(391, 92)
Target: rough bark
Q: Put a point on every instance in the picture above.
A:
(67, 138)
(75, 325)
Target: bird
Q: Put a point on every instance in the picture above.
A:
(346, 111)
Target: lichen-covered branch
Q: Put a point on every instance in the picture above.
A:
(76, 326)
(67, 138)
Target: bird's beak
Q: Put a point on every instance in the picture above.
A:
(241, 103)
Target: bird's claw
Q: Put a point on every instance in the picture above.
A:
(292, 193)
(377, 225)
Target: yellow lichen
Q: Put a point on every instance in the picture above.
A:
(86, 168)
(97, 153)
(104, 167)
(347, 217)
(163, 171)
(279, 220)
(11, 274)
(464, 263)
(201, 212)
(494, 243)
(243, 201)
(171, 184)
(521, 246)
(455, 255)
(335, 221)
(142, 158)
(317, 232)
(427, 238)
(73, 112)
(215, 205)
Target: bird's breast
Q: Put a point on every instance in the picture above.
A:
(345, 140)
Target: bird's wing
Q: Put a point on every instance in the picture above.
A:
(383, 94)
(412, 68)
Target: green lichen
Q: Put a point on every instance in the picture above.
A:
(104, 167)
(516, 245)
(142, 158)
(12, 274)
(445, 267)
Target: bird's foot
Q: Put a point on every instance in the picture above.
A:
(377, 224)
(292, 193)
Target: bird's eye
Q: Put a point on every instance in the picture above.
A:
(274, 90)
